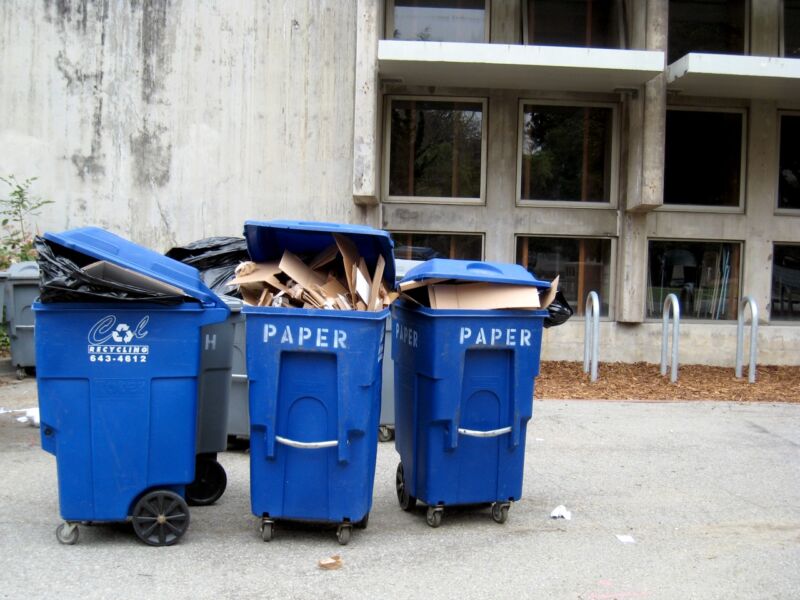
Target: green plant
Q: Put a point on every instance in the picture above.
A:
(15, 211)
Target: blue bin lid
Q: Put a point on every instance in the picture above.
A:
(470, 270)
(104, 245)
(266, 241)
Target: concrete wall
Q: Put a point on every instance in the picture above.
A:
(170, 120)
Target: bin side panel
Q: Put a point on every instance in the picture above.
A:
(214, 387)
(172, 431)
(23, 352)
(238, 410)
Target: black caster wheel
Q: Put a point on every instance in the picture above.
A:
(209, 483)
(385, 433)
(500, 511)
(407, 501)
(343, 533)
(21, 373)
(267, 530)
(67, 533)
(160, 518)
(434, 516)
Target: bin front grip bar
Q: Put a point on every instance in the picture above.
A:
(484, 434)
(306, 445)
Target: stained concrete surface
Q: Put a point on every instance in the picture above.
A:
(710, 492)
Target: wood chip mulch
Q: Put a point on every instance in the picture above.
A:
(643, 381)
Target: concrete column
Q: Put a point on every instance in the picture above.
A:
(765, 27)
(505, 21)
(501, 178)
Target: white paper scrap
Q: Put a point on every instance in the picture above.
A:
(29, 415)
(561, 512)
(626, 539)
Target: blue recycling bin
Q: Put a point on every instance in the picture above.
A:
(463, 394)
(315, 390)
(118, 388)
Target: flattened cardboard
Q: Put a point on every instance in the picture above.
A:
(350, 258)
(483, 296)
(377, 282)
(111, 272)
(262, 273)
(550, 295)
(418, 283)
(299, 271)
(325, 257)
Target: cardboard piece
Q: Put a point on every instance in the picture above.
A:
(412, 285)
(350, 258)
(299, 271)
(114, 273)
(483, 296)
(325, 257)
(377, 282)
(550, 295)
(259, 273)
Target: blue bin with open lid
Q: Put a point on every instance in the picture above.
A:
(463, 392)
(315, 389)
(117, 386)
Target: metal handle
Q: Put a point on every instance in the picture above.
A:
(237, 377)
(306, 445)
(484, 434)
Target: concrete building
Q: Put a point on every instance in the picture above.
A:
(636, 147)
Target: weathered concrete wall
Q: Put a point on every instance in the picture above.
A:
(169, 120)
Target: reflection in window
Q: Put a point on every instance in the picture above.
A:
(435, 149)
(789, 169)
(791, 28)
(703, 275)
(715, 26)
(440, 20)
(583, 264)
(577, 23)
(785, 282)
(424, 246)
(566, 153)
(703, 158)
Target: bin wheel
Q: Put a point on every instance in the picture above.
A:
(21, 373)
(160, 518)
(385, 433)
(500, 511)
(209, 483)
(434, 516)
(343, 533)
(406, 500)
(67, 533)
(267, 530)
(362, 524)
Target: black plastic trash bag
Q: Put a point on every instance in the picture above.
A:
(216, 258)
(62, 279)
(558, 311)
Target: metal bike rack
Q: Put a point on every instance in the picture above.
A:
(751, 370)
(670, 301)
(591, 333)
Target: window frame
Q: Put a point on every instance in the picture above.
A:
(741, 244)
(777, 209)
(387, 143)
(781, 30)
(481, 234)
(389, 22)
(623, 41)
(614, 174)
(612, 268)
(708, 208)
(772, 318)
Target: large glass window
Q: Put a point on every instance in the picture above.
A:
(785, 282)
(577, 23)
(789, 163)
(424, 246)
(583, 264)
(438, 20)
(703, 275)
(703, 158)
(791, 28)
(566, 153)
(436, 149)
(715, 26)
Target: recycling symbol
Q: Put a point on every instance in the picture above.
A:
(122, 333)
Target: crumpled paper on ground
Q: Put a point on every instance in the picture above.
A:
(561, 512)
(28, 415)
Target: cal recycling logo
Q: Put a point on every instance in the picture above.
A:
(115, 341)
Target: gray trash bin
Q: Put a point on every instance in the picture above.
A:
(239, 411)
(386, 429)
(213, 399)
(21, 289)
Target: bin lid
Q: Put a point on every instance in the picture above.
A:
(266, 241)
(104, 245)
(470, 270)
(28, 270)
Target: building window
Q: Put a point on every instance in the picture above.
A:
(789, 163)
(583, 264)
(785, 283)
(436, 150)
(703, 275)
(424, 246)
(715, 26)
(437, 20)
(791, 28)
(566, 153)
(575, 23)
(703, 158)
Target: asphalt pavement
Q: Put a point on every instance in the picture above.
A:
(707, 493)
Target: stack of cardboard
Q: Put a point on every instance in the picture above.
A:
(336, 279)
(455, 294)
